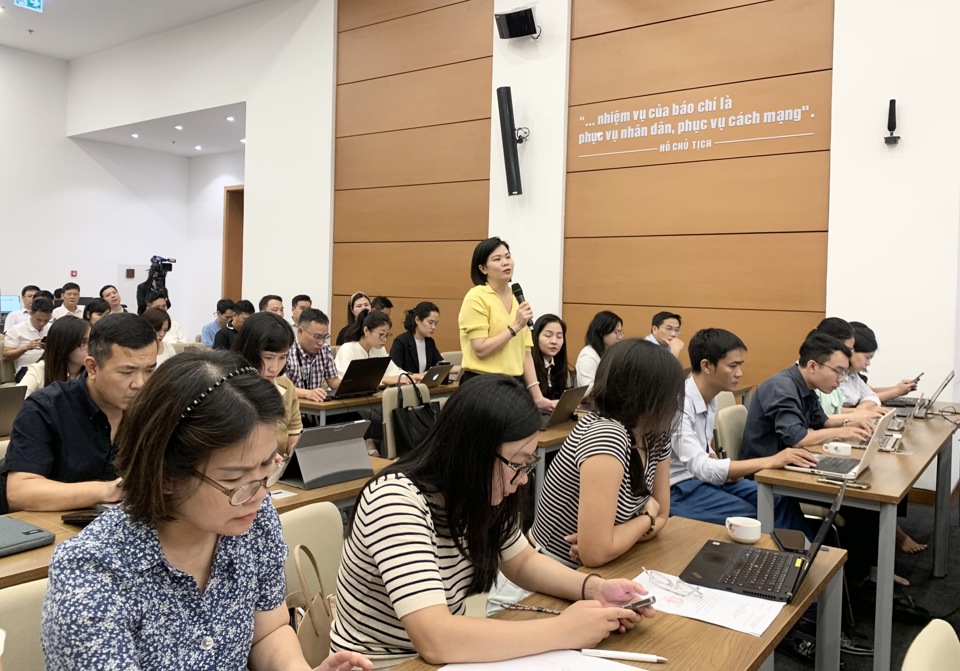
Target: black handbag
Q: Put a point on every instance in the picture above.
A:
(412, 423)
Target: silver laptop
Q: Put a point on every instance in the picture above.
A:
(566, 406)
(924, 406)
(435, 376)
(11, 398)
(845, 467)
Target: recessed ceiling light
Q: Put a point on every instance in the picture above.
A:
(135, 135)
(243, 140)
(198, 147)
(231, 119)
(178, 127)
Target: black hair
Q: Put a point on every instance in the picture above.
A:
(263, 332)
(836, 327)
(640, 385)
(712, 345)
(603, 323)
(119, 328)
(97, 306)
(225, 304)
(244, 307)
(71, 286)
(43, 293)
(381, 303)
(57, 293)
(865, 340)
(558, 374)
(481, 253)
(300, 297)
(64, 336)
(44, 305)
(105, 287)
(661, 317)
(458, 460)
(157, 318)
(421, 312)
(313, 316)
(351, 318)
(266, 299)
(154, 295)
(820, 346)
(29, 287)
(366, 320)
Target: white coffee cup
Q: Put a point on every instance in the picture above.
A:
(743, 529)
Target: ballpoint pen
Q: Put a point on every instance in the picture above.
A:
(509, 605)
(621, 654)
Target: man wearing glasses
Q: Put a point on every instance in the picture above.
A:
(665, 331)
(310, 362)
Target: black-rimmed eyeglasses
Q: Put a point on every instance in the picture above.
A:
(525, 468)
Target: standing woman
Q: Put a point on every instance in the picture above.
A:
(415, 350)
(265, 341)
(435, 526)
(494, 337)
(63, 355)
(550, 355)
(358, 303)
(95, 309)
(160, 321)
(188, 572)
(608, 488)
(606, 329)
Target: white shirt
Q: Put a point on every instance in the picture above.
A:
(20, 335)
(166, 352)
(354, 350)
(15, 318)
(855, 391)
(421, 354)
(587, 362)
(690, 443)
(62, 311)
(175, 334)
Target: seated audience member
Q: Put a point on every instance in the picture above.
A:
(608, 488)
(57, 297)
(665, 331)
(299, 303)
(23, 344)
(95, 309)
(110, 294)
(271, 303)
(264, 343)
(227, 335)
(23, 314)
(63, 355)
(358, 303)
(161, 301)
(606, 328)
(853, 395)
(61, 453)
(414, 349)
(71, 302)
(366, 339)
(225, 312)
(905, 386)
(160, 321)
(383, 304)
(188, 573)
(703, 485)
(451, 506)
(311, 363)
(550, 355)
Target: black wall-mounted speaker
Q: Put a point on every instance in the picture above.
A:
(508, 137)
(519, 23)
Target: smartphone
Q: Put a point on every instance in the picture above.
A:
(851, 484)
(917, 378)
(789, 540)
(640, 604)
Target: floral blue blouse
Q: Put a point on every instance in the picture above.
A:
(115, 603)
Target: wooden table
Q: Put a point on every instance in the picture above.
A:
(325, 409)
(691, 644)
(33, 564)
(891, 477)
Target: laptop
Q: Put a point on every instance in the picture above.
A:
(923, 406)
(436, 375)
(848, 468)
(362, 378)
(18, 536)
(567, 404)
(329, 455)
(775, 575)
(910, 401)
(11, 398)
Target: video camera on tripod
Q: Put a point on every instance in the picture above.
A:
(157, 276)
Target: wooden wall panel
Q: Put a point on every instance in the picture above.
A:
(776, 271)
(450, 153)
(358, 13)
(763, 40)
(447, 335)
(591, 17)
(772, 338)
(761, 194)
(458, 92)
(450, 34)
(452, 211)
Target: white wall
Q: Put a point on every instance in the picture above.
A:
(537, 72)
(895, 211)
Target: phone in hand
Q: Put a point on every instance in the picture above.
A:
(642, 603)
(917, 378)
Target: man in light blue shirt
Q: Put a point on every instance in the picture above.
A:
(226, 311)
(665, 331)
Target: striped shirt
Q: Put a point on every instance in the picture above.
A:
(557, 510)
(398, 559)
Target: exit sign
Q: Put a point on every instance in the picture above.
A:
(35, 5)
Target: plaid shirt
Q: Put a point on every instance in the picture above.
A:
(308, 371)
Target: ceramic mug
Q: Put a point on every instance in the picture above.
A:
(743, 529)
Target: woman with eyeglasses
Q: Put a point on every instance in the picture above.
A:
(367, 339)
(358, 302)
(65, 348)
(435, 527)
(187, 573)
(608, 488)
(606, 329)
(264, 342)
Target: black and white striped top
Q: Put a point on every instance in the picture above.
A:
(557, 509)
(398, 559)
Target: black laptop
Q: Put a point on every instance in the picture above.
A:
(775, 575)
(362, 378)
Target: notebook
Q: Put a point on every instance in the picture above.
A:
(768, 574)
(18, 536)
(566, 406)
(436, 375)
(11, 398)
(362, 378)
(846, 467)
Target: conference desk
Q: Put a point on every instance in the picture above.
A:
(324, 409)
(891, 476)
(691, 644)
(32, 565)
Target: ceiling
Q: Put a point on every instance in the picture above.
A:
(69, 29)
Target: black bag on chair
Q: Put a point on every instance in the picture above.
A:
(412, 423)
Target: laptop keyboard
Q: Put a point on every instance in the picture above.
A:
(764, 570)
(837, 464)
(883, 441)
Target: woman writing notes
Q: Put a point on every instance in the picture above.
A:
(494, 337)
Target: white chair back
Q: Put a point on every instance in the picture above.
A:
(454, 357)
(936, 647)
(729, 425)
(319, 526)
(20, 607)
(725, 399)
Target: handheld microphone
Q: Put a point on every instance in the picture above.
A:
(518, 293)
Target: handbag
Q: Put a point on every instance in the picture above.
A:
(313, 626)
(411, 424)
